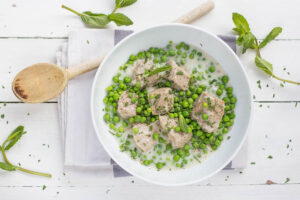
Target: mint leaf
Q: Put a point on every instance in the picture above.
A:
(120, 19)
(182, 124)
(264, 65)
(158, 70)
(97, 20)
(14, 140)
(271, 36)
(241, 23)
(7, 167)
(248, 41)
(124, 3)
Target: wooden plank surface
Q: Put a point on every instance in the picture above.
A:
(32, 31)
(268, 136)
(245, 192)
(50, 20)
(19, 53)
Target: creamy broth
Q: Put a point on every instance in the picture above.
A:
(199, 66)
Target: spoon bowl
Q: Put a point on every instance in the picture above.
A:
(39, 82)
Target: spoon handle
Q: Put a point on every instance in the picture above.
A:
(84, 67)
(196, 12)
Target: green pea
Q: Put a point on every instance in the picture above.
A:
(177, 129)
(137, 118)
(229, 90)
(190, 100)
(171, 52)
(191, 56)
(171, 115)
(135, 130)
(151, 96)
(232, 116)
(195, 144)
(156, 60)
(194, 96)
(212, 69)
(202, 146)
(189, 130)
(225, 130)
(204, 116)
(163, 59)
(179, 52)
(131, 119)
(233, 100)
(149, 110)
(184, 55)
(168, 147)
(187, 147)
(185, 113)
(121, 129)
(112, 126)
(188, 93)
(185, 104)
(106, 117)
(116, 119)
(138, 109)
(225, 79)
(143, 119)
(226, 99)
(132, 57)
(180, 152)
(176, 158)
(159, 165)
(134, 100)
(219, 92)
(146, 162)
(226, 118)
(199, 90)
(155, 136)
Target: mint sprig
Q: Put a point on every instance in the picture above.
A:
(11, 140)
(100, 20)
(247, 40)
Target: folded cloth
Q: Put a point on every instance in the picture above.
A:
(82, 149)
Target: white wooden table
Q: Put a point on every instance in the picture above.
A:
(32, 31)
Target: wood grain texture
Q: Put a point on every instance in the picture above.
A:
(32, 31)
(49, 19)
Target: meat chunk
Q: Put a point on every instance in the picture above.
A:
(161, 100)
(178, 76)
(126, 108)
(144, 138)
(214, 110)
(138, 74)
(155, 127)
(167, 123)
(178, 140)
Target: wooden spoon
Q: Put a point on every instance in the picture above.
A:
(44, 81)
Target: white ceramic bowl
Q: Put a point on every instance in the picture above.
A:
(159, 36)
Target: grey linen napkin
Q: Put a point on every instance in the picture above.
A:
(82, 150)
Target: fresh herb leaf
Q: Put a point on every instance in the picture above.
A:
(182, 124)
(11, 140)
(241, 23)
(247, 40)
(271, 36)
(264, 65)
(124, 3)
(14, 140)
(7, 167)
(120, 19)
(100, 20)
(158, 70)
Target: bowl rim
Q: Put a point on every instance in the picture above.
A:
(132, 171)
